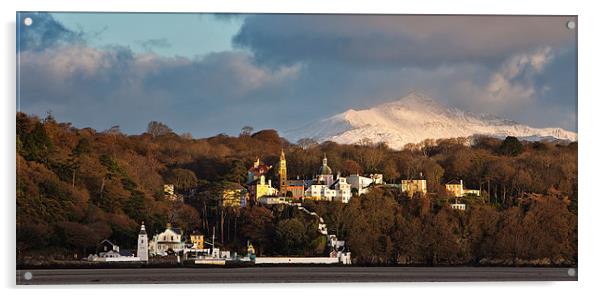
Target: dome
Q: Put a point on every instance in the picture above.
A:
(325, 170)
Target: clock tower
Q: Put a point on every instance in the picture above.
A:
(282, 174)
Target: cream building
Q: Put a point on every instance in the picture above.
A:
(169, 240)
(412, 186)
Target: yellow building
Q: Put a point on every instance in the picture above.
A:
(198, 240)
(234, 195)
(260, 188)
(456, 189)
(412, 186)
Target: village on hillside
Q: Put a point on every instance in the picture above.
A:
(325, 186)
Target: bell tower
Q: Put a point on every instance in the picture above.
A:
(282, 174)
(142, 244)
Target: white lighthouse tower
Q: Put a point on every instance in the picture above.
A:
(142, 244)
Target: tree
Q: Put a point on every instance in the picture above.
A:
(257, 227)
(135, 207)
(35, 144)
(157, 129)
(511, 146)
(79, 236)
(351, 167)
(306, 143)
(182, 179)
(186, 217)
(290, 237)
(246, 131)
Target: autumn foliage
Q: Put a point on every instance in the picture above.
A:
(76, 187)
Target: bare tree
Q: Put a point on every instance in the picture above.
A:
(157, 129)
(246, 131)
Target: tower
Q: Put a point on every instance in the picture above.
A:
(282, 173)
(142, 244)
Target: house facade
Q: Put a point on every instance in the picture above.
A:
(166, 242)
(259, 188)
(234, 195)
(456, 189)
(412, 186)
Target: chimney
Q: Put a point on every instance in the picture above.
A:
(462, 184)
(270, 183)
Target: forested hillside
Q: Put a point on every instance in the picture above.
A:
(77, 186)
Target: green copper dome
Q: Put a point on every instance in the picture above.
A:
(324, 169)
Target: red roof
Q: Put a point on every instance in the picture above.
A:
(260, 170)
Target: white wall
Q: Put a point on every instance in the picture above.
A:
(296, 260)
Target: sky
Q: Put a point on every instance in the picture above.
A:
(207, 74)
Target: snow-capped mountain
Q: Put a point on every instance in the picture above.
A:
(413, 119)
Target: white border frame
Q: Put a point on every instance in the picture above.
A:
(588, 122)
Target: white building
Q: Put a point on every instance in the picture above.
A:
(166, 242)
(142, 252)
(107, 251)
(361, 183)
(458, 206)
(320, 192)
(342, 190)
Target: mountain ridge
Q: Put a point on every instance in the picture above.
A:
(414, 118)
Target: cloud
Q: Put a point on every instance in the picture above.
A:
(294, 69)
(397, 41)
(44, 32)
(102, 87)
(151, 44)
(511, 86)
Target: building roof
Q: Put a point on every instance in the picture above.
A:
(325, 170)
(296, 183)
(108, 242)
(453, 182)
(260, 170)
(196, 233)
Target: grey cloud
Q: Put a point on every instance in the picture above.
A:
(43, 33)
(305, 67)
(100, 88)
(394, 41)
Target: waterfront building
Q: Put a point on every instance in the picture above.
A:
(198, 240)
(169, 241)
(142, 252)
(107, 246)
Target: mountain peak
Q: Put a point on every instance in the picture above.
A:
(417, 101)
(413, 118)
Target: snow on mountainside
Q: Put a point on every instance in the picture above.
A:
(413, 119)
